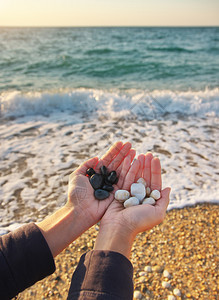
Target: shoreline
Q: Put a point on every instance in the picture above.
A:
(184, 245)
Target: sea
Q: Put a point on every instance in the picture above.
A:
(67, 94)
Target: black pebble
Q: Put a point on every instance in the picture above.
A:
(103, 171)
(112, 177)
(90, 172)
(96, 181)
(101, 194)
(108, 188)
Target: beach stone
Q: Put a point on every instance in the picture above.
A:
(171, 297)
(133, 201)
(90, 172)
(157, 269)
(103, 171)
(149, 200)
(101, 194)
(108, 188)
(148, 191)
(96, 181)
(138, 191)
(177, 292)
(148, 269)
(141, 180)
(166, 284)
(137, 295)
(122, 195)
(155, 194)
(112, 177)
(166, 274)
(142, 273)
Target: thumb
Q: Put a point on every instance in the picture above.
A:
(163, 202)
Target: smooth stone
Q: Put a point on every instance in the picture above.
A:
(138, 191)
(96, 181)
(133, 201)
(171, 297)
(112, 177)
(101, 194)
(90, 172)
(108, 188)
(150, 201)
(104, 171)
(166, 274)
(142, 274)
(107, 181)
(148, 269)
(155, 194)
(148, 191)
(141, 180)
(177, 292)
(122, 195)
(166, 284)
(137, 295)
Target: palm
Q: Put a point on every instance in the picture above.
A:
(141, 217)
(81, 193)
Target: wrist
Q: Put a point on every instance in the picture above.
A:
(114, 238)
(62, 228)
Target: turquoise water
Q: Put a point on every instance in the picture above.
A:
(51, 59)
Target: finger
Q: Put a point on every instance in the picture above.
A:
(147, 168)
(118, 159)
(163, 202)
(132, 154)
(156, 183)
(86, 165)
(130, 177)
(141, 159)
(126, 164)
(108, 157)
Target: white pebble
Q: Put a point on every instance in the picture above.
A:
(166, 274)
(122, 195)
(141, 279)
(149, 201)
(177, 292)
(148, 191)
(171, 297)
(155, 194)
(148, 269)
(138, 191)
(165, 284)
(141, 180)
(133, 201)
(137, 295)
(142, 273)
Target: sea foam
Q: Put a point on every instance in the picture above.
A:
(143, 103)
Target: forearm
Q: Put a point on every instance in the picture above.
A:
(114, 238)
(62, 228)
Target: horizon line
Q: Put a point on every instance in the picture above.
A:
(94, 26)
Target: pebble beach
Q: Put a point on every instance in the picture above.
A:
(184, 248)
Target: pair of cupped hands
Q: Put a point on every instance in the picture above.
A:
(114, 217)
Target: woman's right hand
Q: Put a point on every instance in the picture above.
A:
(120, 225)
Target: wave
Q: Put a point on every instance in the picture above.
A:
(171, 49)
(142, 104)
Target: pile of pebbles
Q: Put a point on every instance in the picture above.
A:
(102, 183)
(139, 194)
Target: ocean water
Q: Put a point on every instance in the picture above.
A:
(68, 93)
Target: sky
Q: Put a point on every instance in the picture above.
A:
(109, 13)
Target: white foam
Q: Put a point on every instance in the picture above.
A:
(116, 104)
